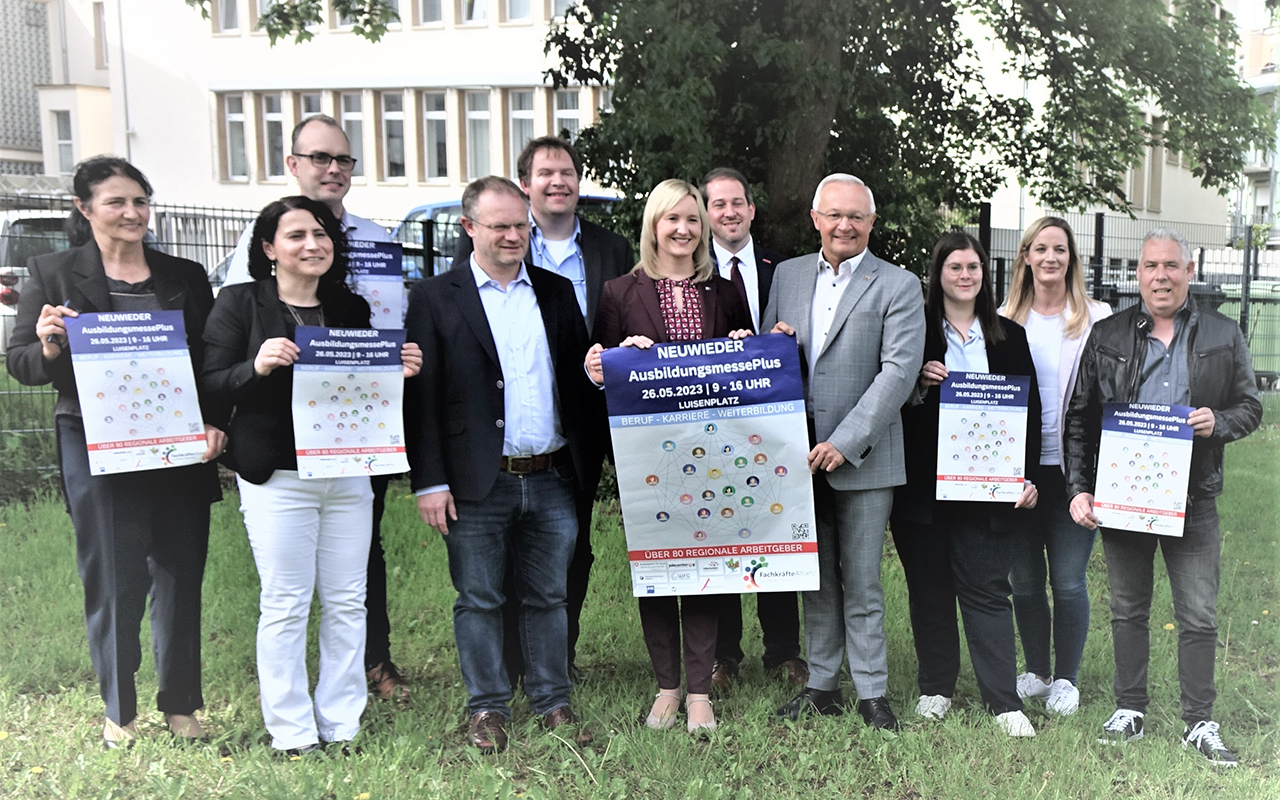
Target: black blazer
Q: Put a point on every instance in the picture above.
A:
(260, 438)
(454, 409)
(629, 307)
(77, 275)
(766, 262)
(914, 501)
(605, 256)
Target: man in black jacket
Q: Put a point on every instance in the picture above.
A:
(1166, 350)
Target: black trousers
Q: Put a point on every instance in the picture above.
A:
(779, 614)
(138, 534)
(377, 644)
(665, 621)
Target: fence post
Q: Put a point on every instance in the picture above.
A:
(428, 247)
(1000, 281)
(1244, 286)
(1099, 227)
(1200, 266)
(984, 226)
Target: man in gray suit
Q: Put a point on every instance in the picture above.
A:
(859, 323)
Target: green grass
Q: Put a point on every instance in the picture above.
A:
(51, 714)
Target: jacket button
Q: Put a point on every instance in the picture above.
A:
(499, 384)
(499, 423)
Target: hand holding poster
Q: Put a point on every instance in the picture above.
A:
(711, 447)
(137, 390)
(347, 410)
(982, 437)
(376, 269)
(1144, 462)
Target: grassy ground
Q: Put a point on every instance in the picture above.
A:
(50, 714)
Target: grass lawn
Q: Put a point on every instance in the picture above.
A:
(51, 716)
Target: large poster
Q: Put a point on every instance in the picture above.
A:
(376, 270)
(137, 390)
(1144, 462)
(711, 446)
(348, 386)
(982, 437)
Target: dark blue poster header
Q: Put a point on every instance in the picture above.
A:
(354, 347)
(374, 258)
(1148, 419)
(986, 389)
(126, 332)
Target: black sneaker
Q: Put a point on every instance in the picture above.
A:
(1124, 726)
(1204, 736)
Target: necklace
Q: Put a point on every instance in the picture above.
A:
(298, 317)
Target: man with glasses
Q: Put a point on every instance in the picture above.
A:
(321, 160)
(859, 323)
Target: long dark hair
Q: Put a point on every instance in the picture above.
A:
(334, 282)
(984, 304)
(90, 173)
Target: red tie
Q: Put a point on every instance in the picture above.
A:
(735, 277)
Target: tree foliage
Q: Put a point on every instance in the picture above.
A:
(369, 18)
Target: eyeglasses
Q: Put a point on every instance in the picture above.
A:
(502, 227)
(834, 217)
(322, 160)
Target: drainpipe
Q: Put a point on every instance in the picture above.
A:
(124, 84)
(62, 37)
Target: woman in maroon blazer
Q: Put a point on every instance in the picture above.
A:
(673, 295)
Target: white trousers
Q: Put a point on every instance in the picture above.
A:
(310, 536)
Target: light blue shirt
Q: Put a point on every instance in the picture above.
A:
(962, 356)
(572, 267)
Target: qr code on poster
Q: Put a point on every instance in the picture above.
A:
(799, 530)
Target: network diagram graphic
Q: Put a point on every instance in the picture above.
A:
(144, 399)
(346, 411)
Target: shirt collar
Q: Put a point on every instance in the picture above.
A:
(851, 263)
(482, 278)
(536, 232)
(975, 329)
(723, 256)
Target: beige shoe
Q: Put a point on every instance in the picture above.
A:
(700, 722)
(662, 716)
(114, 735)
(184, 726)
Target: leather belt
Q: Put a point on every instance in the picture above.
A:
(524, 465)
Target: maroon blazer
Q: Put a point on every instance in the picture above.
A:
(629, 307)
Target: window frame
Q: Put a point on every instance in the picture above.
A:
(474, 152)
(435, 120)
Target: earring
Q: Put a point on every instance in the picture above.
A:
(273, 268)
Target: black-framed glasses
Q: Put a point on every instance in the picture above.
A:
(322, 160)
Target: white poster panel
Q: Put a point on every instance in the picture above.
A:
(1144, 462)
(982, 437)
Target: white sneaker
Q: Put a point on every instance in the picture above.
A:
(1064, 697)
(1031, 686)
(933, 706)
(1015, 723)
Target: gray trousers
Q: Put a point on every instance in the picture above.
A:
(847, 611)
(138, 533)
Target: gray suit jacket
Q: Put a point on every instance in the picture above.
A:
(867, 367)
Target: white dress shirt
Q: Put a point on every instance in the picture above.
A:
(965, 355)
(750, 274)
(826, 296)
(564, 258)
(357, 228)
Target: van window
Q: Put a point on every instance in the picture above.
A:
(31, 237)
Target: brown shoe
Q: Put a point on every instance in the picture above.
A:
(723, 671)
(565, 716)
(185, 727)
(797, 671)
(487, 732)
(385, 680)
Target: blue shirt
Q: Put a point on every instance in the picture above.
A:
(1164, 371)
(965, 356)
(572, 267)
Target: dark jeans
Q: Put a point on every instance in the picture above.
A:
(377, 645)
(1052, 534)
(779, 614)
(529, 519)
(1192, 563)
(138, 533)
(959, 558)
(663, 620)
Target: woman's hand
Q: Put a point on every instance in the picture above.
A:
(216, 443)
(277, 352)
(642, 342)
(52, 331)
(933, 373)
(411, 357)
(741, 333)
(1030, 496)
(594, 365)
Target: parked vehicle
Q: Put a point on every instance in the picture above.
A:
(23, 234)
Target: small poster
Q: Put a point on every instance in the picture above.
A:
(376, 271)
(711, 446)
(1144, 462)
(137, 390)
(347, 408)
(982, 437)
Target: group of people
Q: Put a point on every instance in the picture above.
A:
(506, 435)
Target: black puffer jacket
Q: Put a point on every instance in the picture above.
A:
(1218, 369)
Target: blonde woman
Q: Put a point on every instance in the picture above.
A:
(1047, 297)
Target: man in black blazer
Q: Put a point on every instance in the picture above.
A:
(500, 431)
(550, 170)
(749, 267)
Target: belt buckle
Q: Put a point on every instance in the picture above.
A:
(520, 465)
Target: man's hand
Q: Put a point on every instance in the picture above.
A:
(1201, 421)
(825, 457)
(594, 364)
(436, 509)
(411, 359)
(216, 442)
(782, 327)
(1082, 511)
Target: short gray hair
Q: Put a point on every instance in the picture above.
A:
(843, 177)
(489, 183)
(1163, 234)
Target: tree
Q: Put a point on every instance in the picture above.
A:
(893, 91)
(369, 18)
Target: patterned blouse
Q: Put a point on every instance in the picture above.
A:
(686, 325)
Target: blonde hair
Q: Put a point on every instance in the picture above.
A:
(662, 199)
(1022, 288)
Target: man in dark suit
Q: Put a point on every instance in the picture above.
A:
(749, 267)
(499, 430)
(550, 170)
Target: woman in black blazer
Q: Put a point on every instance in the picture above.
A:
(673, 295)
(136, 532)
(307, 535)
(960, 551)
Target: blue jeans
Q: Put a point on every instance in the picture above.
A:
(530, 518)
(1051, 532)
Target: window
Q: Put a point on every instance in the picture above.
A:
(272, 136)
(259, 8)
(237, 165)
(308, 105)
(472, 11)
(392, 135)
(606, 99)
(353, 125)
(66, 155)
(559, 7)
(100, 35)
(518, 10)
(521, 115)
(477, 134)
(429, 11)
(228, 18)
(434, 127)
(566, 114)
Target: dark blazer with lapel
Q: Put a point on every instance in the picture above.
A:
(605, 256)
(914, 501)
(629, 307)
(77, 275)
(454, 409)
(766, 262)
(260, 439)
